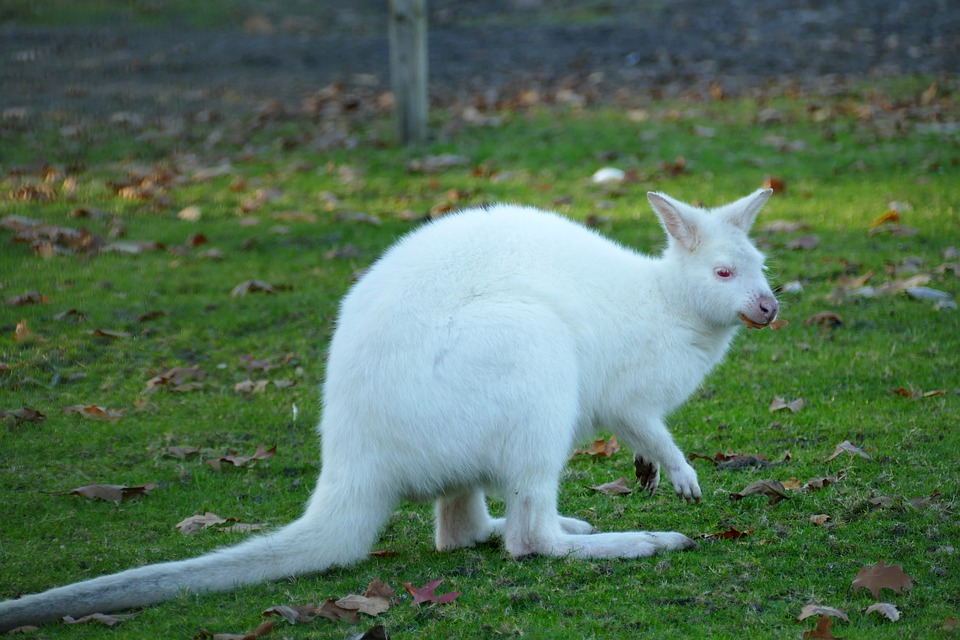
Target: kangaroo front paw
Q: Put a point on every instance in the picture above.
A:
(648, 474)
(685, 483)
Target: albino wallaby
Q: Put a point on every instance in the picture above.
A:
(472, 357)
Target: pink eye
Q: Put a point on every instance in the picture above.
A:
(723, 272)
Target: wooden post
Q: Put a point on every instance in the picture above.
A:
(408, 68)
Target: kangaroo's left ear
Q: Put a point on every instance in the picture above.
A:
(743, 212)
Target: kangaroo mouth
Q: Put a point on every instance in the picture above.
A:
(774, 324)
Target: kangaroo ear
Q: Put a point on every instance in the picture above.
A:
(743, 212)
(677, 220)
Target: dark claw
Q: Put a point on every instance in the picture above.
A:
(646, 473)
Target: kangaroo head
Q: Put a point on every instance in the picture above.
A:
(713, 267)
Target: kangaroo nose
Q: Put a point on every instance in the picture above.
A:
(768, 307)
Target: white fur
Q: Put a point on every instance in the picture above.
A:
(472, 357)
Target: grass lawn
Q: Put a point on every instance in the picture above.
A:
(276, 206)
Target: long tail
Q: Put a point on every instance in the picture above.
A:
(333, 531)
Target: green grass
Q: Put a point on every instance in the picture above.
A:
(848, 170)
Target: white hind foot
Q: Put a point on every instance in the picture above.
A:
(463, 521)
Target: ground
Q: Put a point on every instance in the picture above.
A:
(477, 51)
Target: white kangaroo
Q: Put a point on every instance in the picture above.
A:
(472, 357)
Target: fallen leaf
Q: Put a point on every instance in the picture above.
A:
(94, 412)
(71, 314)
(251, 386)
(436, 164)
(820, 610)
(804, 243)
(190, 214)
(880, 576)
(263, 629)
(24, 414)
(779, 323)
(371, 606)
(426, 593)
(265, 364)
(107, 333)
(111, 492)
(730, 534)
(177, 379)
(923, 503)
(262, 453)
(617, 487)
(882, 501)
(847, 447)
(813, 484)
(784, 226)
(107, 620)
(194, 524)
(820, 519)
(891, 215)
(773, 489)
(951, 624)
(151, 315)
(378, 632)
(779, 186)
(28, 298)
(885, 609)
(292, 613)
(779, 404)
(180, 452)
(822, 630)
(331, 611)
(600, 448)
(251, 286)
(22, 333)
(824, 319)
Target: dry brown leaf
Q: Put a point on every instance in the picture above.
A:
(251, 286)
(71, 314)
(180, 452)
(372, 606)
(730, 534)
(195, 524)
(331, 611)
(820, 519)
(600, 448)
(262, 453)
(94, 412)
(778, 185)
(804, 243)
(24, 414)
(891, 215)
(880, 576)
(107, 333)
(22, 333)
(923, 503)
(779, 404)
(773, 489)
(887, 610)
(177, 379)
(292, 613)
(824, 319)
(847, 447)
(111, 492)
(28, 298)
(263, 629)
(426, 593)
(617, 487)
(822, 631)
(820, 610)
(251, 386)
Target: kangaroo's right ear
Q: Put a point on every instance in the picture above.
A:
(676, 219)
